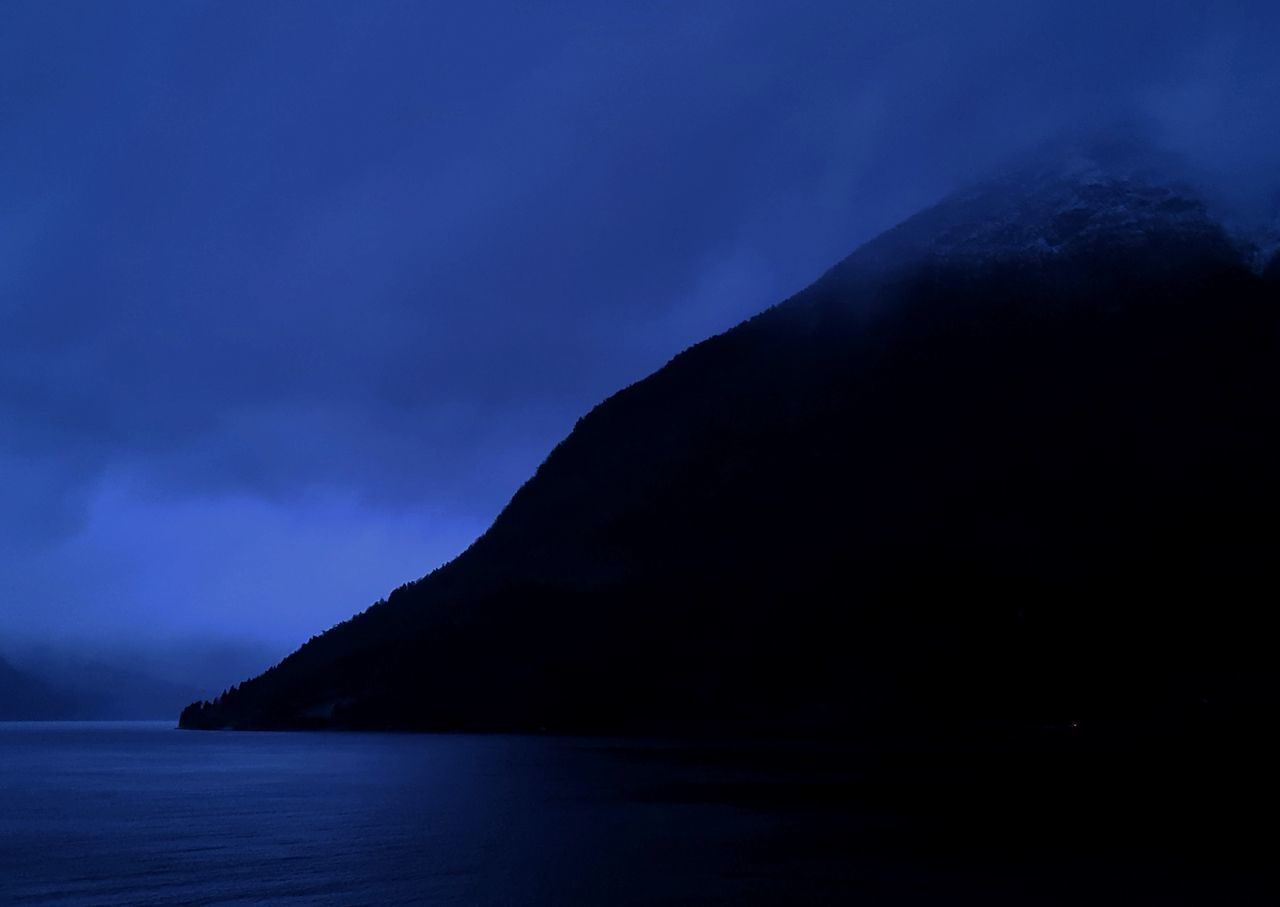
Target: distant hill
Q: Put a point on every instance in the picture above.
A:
(49, 683)
(25, 698)
(1013, 464)
(109, 691)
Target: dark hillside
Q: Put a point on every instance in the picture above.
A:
(1010, 465)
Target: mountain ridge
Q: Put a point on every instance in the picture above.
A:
(761, 533)
(25, 697)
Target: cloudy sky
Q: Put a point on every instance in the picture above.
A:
(293, 295)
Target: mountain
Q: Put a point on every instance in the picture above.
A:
(51, 682)
(1010, 465)
(108, 691)
(24, 697)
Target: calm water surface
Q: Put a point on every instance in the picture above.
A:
(141, 814)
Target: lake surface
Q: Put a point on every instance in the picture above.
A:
(144, 814)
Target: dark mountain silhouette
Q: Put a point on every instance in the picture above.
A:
(24, 697)
(51, 683)
(109, 691)
(1010, 465)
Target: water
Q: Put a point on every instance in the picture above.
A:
(143, 814)
(139, 814)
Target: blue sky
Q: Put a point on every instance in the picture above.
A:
(294, 295)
